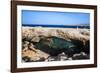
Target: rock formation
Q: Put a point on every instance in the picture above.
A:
(50, 44)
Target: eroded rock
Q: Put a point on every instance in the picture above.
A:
(48, 44)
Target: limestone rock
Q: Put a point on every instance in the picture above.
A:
(54, 44)
(34, 55)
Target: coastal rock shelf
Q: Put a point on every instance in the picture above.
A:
(54, 44)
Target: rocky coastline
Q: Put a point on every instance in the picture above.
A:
(55, 44)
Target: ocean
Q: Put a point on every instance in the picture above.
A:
(61, 26)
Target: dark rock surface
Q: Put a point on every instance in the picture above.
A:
(55, 46)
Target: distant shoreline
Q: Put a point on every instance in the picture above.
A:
(61, 26)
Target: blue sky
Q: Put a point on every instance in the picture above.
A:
(54, 18)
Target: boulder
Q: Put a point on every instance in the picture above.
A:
(80, 56)
(33, 54)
